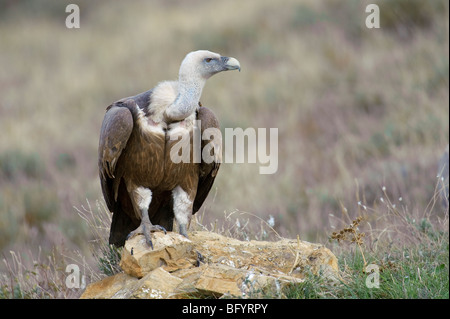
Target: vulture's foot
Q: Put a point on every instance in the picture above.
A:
(200, 259)
(146, 229)
(183, 231)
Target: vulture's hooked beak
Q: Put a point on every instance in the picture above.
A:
(230, 63)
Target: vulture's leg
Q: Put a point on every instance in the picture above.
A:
(182, 208)
(142, 197)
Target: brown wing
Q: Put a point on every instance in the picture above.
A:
(116, 129)
(208, 171)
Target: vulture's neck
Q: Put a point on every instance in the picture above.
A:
(186, 102)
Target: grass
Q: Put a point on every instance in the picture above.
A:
(410, 253)
(407, 274)
(31, 275)
(107, 257)
(356, 110)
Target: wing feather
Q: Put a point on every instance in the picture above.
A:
(114, 134)
(208, 171)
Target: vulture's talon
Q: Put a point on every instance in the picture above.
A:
(149, 229)
(158, 228)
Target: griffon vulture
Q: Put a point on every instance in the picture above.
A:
(143, 188)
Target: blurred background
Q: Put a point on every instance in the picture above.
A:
(356, 109)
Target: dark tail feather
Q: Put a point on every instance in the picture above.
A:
(121, 226)
(164, 216)
(161, 213)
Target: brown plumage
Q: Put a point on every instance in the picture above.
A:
(143, 187)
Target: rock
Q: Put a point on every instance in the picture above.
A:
(157, 284)
(210, 264)
(286, 256)
(110, 287)
(217, 280)
(172, 251)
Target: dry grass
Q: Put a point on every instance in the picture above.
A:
(356, 109)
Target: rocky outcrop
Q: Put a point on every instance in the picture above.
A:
(209, 264)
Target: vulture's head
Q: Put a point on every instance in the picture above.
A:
(205, 64)
(196, 68)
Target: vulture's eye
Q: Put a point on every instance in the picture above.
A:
(207, 60)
